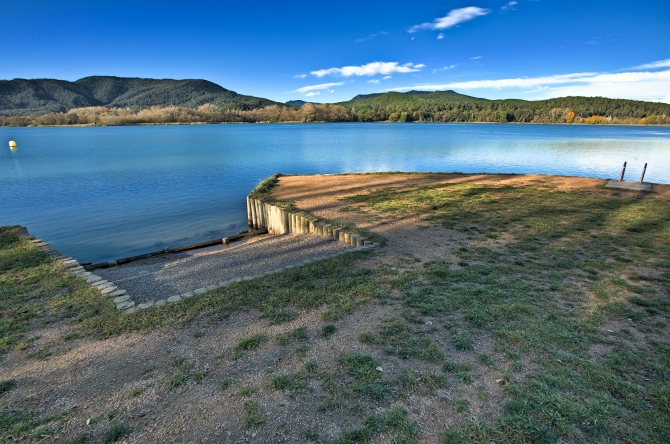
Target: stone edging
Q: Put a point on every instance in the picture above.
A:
(121, 298)
(127, 305)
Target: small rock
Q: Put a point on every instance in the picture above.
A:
(145, 305)
(108, 290)
(130, 310)
(160, 303)
(174, 299)
(442, 396)
(429, 323)
(186, 295)
(88, 421)
(224, 284)
(212, 287)
(200, 291)
(120, 299)
(379, 369)
(116, 293)
(500, 381)
(125, 305)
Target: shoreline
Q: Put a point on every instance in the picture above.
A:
(84, 125)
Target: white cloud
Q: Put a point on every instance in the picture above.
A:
(300, 76)
(444, 69)
(310, 94)
(640, 85)
(452, 19)
(371, 36)
(509, 7)
(370, 69)
(475, 58)
(387, 77)
(440, 36)
(374, 81)
(305, 89)
(659, 64)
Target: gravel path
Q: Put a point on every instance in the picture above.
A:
(162, 277)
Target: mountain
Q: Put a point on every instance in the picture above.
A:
(20, 97)
(450, 106)
(297, 103)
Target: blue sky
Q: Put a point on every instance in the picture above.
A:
(331, 51)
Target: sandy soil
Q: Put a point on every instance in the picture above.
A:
(93, 378)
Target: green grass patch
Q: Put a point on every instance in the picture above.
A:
(540, 273)
(115, 433)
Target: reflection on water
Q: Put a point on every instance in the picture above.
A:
(100, 193)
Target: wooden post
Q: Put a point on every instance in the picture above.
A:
(259, 211)
(254, 215)
(249, 218)
(311, 226)
(263, 211)
(354, 237)
(284, 220)
(336, 234)
(273, 218)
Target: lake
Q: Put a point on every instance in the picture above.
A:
(102, 193)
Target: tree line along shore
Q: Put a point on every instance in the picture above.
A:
(103, 116)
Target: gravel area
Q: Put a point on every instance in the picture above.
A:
(162, 277)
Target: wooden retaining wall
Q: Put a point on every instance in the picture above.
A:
(263, 215)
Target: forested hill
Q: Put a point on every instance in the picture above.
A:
(21, 97)
(449, 106)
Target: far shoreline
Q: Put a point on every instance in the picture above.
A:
(91, 125)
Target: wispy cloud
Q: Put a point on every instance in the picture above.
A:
(300, 76)
(310, 94)
(444, 69)
(440, 36)
(371, 36)
(642, 85)
(305, 89)
(452, 19)
(508, 7)
(370, 69)
(654, 65)
(387, 77)
(475, 58)
(374, 81)
(593, 41)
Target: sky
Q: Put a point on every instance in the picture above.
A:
(331, 51)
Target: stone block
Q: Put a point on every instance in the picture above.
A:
(125, 305)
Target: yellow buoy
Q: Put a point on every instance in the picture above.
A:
(12, 144)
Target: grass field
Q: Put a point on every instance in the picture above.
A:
(559, 298)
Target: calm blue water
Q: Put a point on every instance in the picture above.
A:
(103, 193)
